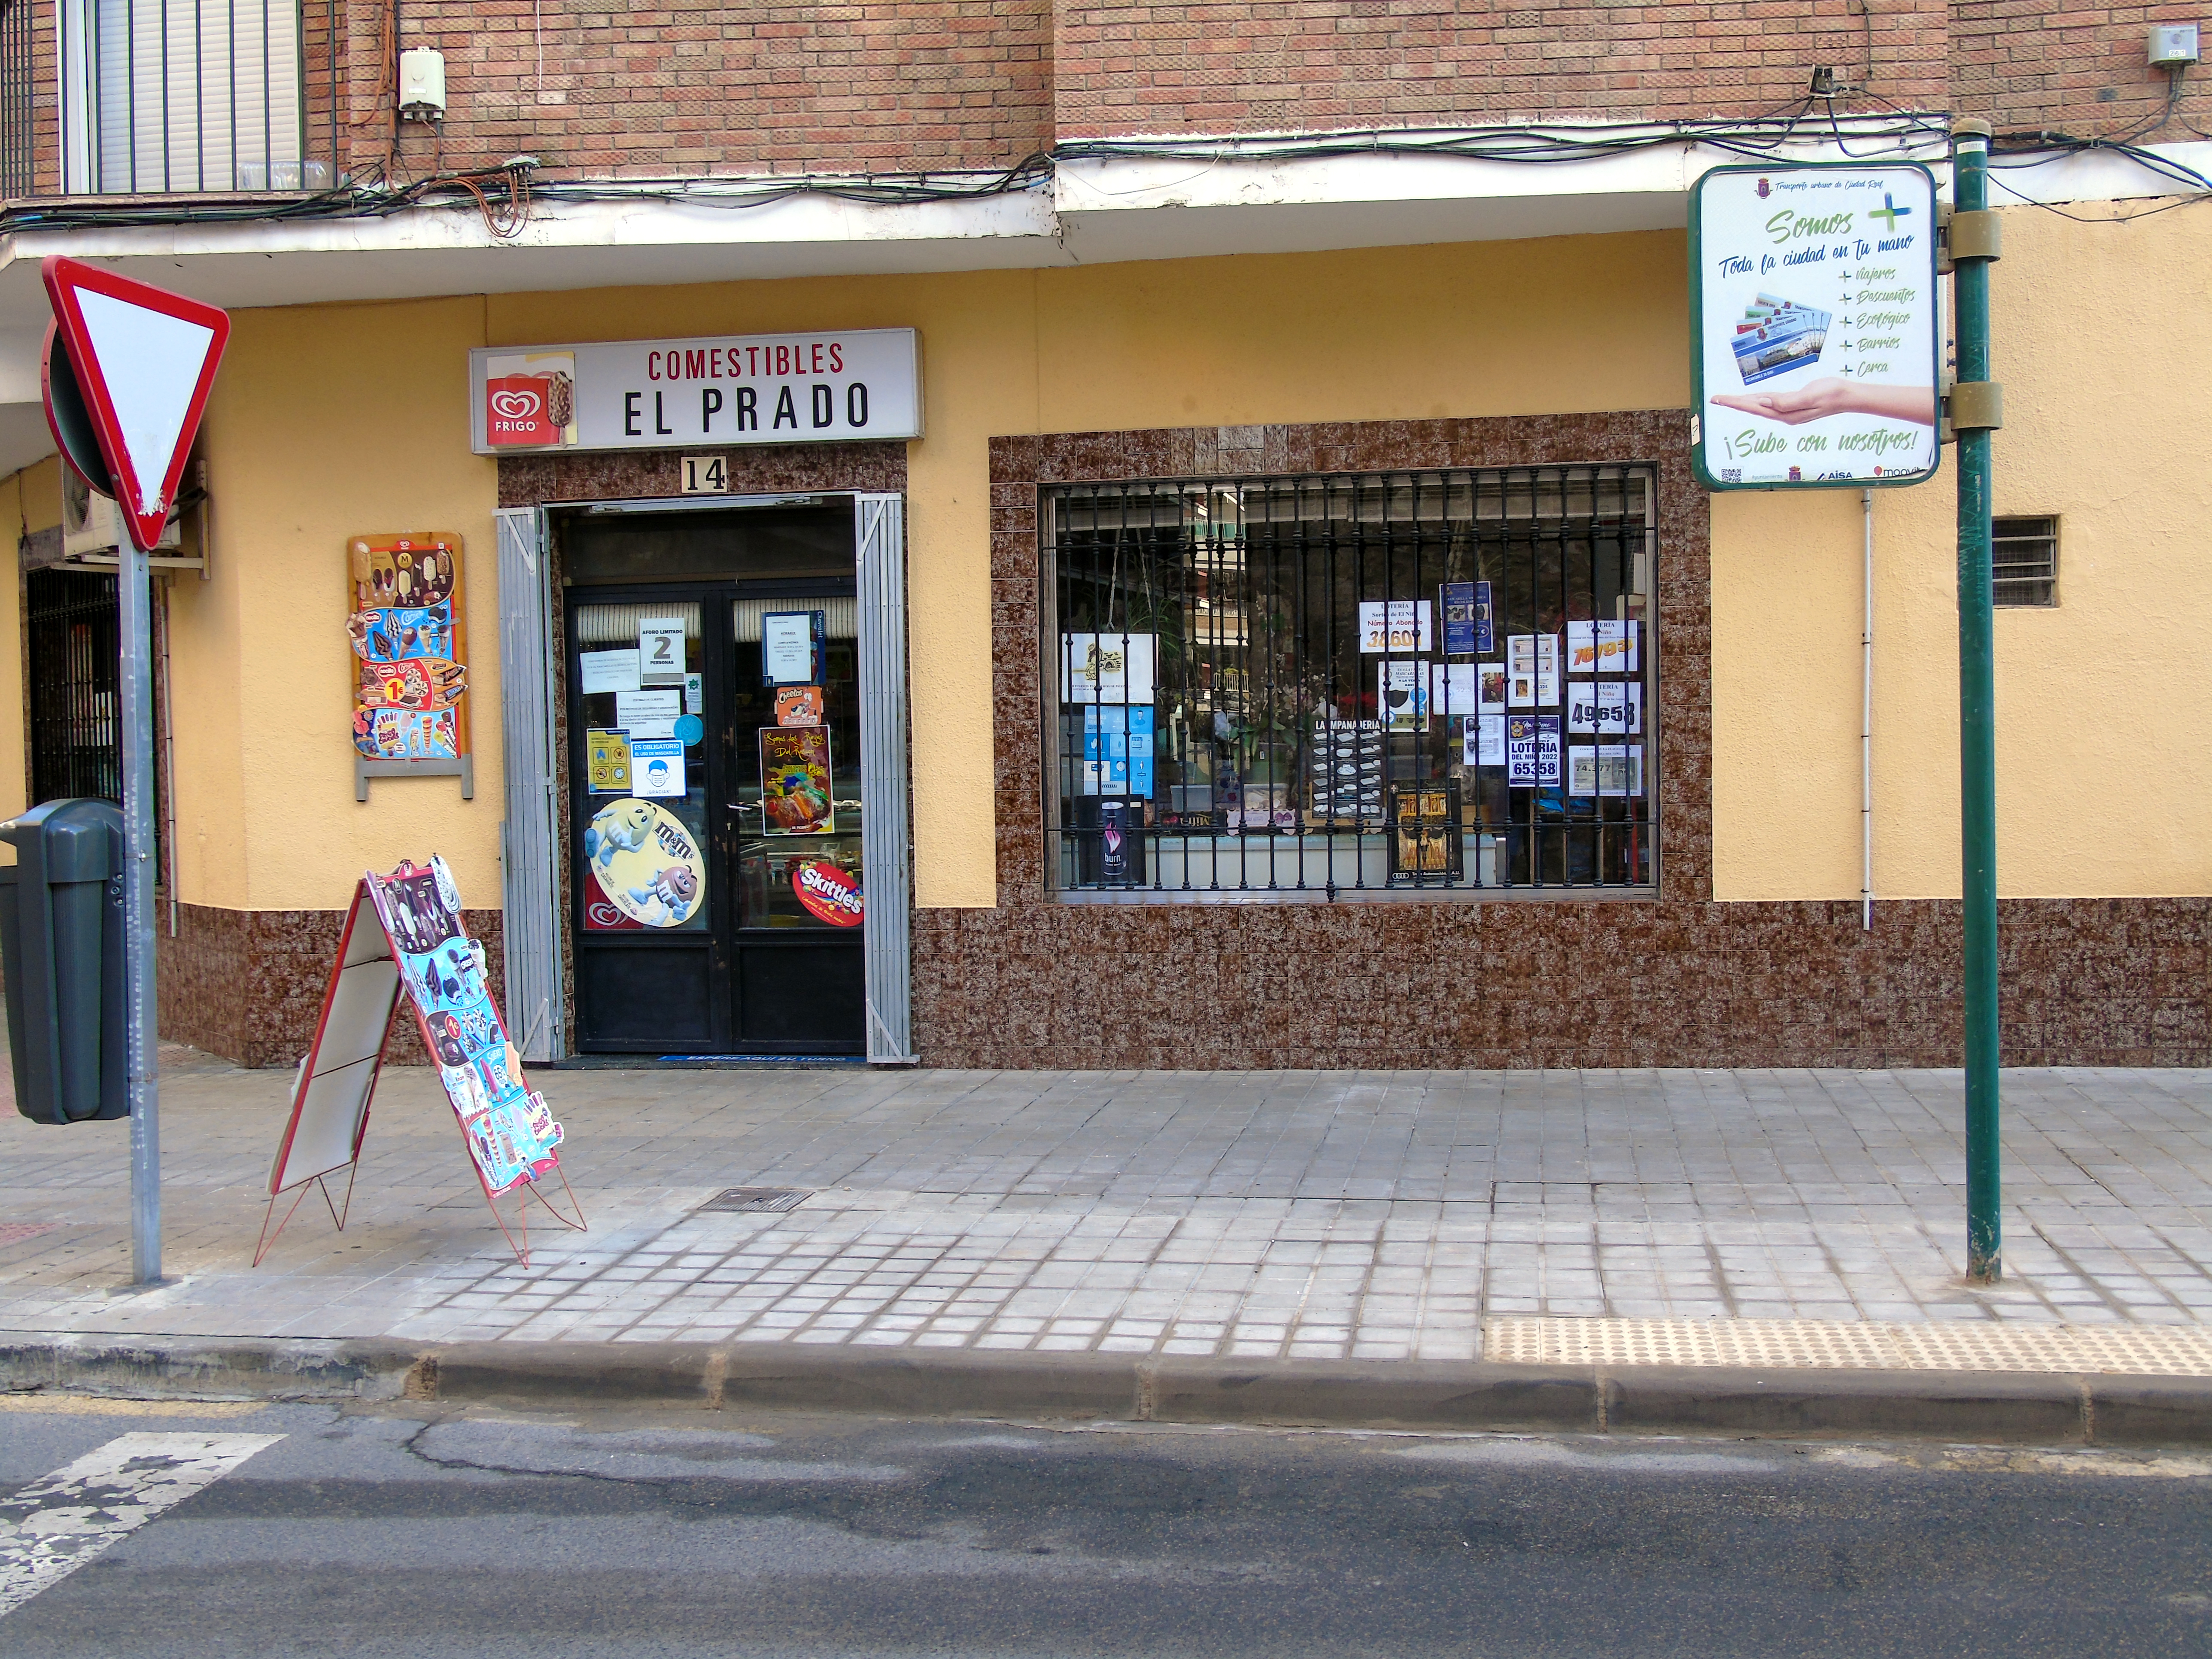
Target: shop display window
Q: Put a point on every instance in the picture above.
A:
(1410, 683)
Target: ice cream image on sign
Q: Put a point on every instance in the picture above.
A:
(1777, 335)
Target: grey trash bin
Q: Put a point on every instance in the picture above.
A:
(61, 950)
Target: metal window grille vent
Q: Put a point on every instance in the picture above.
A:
(754, 1200)
(603, 625)
(1814, 1343)
(2024, 562)
(1431, 683)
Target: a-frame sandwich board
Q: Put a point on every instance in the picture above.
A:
(337, 1079)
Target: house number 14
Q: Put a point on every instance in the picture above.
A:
(706, 475)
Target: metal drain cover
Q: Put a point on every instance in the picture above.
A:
(757, 1200)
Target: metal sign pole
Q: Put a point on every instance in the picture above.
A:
(126, 382)
(135, 599)
(1974, 413)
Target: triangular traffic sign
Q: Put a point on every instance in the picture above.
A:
(144, 360)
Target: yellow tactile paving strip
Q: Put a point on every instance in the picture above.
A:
(1813, 1344)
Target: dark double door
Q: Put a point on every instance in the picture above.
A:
(713, 834)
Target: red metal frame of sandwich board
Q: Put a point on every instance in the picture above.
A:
(339, 1213)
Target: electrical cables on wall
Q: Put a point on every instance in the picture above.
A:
(505, 195)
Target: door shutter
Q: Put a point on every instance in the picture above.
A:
(885, 873)
(529, 839)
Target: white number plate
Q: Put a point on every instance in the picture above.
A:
(706, 475)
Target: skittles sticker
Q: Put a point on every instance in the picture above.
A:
(831, 893)
(647, 864)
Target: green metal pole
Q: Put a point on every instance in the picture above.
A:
(1978, 776)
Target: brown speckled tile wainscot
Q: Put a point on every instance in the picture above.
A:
(1680, 980)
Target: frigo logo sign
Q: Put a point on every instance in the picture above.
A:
(697, 393)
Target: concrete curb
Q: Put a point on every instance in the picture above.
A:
(2035, 1408)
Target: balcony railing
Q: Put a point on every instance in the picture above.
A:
(18, 101)
(163, 97)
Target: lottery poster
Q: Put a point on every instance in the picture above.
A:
(409, 645)
(509, 1128)
(1532, 750)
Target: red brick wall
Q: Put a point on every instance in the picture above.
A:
(676, 88)
(1246, 65)
(2029, 66)
(743, 86)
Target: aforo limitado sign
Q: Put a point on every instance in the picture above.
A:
(670, 394)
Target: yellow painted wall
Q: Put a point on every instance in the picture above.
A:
(2104, 782)
(325, 422)
(333, 420)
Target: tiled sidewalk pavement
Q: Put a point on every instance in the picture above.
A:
(1321, 1214)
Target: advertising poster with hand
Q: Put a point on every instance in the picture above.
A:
(1814, 322)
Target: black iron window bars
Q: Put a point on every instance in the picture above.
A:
(1390, 685)
(187, 96)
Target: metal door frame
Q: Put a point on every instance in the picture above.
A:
(535, 686)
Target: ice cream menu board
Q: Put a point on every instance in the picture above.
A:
(1814, 323)
(403, 933)
(409, 645)
(510, 1132)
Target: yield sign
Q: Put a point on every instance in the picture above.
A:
(136, 365)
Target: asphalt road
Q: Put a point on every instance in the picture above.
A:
(439, 1531)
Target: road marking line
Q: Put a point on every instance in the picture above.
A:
(55, 1525)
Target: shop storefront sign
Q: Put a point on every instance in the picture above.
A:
(833, 387)
(1814, 319)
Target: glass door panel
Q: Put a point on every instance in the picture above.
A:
(798, 768)
(642, 673)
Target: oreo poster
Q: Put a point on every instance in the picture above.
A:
(509, 1128)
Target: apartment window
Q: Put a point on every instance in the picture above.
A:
(2024, 562)
(1388, 685)
(181, 96)
(18, 101)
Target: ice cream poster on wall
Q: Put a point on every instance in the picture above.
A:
(1814, 304)
(510, 1131)
(410, 637)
